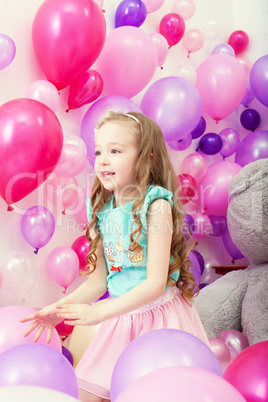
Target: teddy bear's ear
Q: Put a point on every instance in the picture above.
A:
(248, 175)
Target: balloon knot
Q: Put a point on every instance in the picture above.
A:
(188, 55)
(161, 67)
(67, 110)
(197, 149)
(233, 261)
(63, 212)
(64, 291)
(10, 208)
(217, 121)
(36, 250)
(103, 10)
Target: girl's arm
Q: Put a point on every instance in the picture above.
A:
(159, 241)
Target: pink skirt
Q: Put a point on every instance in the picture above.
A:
(94, 371)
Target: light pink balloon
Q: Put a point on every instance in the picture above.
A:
(202, 226)
(221, 351)
(18, 273)
(209, 275)
(193, 40)
(72, 161)
(11, 330)
(185, 8)
(62, 191)
(63, 266)
(161, 46)
(1, 279)
(153, 5)
(44, 92)
(246, 63)
(218, 76)
(127, 62)
(187, 72)
(234, 340)
(213, 189)
(195, 165)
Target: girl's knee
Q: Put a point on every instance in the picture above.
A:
(85, 396)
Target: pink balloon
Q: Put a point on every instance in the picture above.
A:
(44, 92)
(68, 36)
(81, 247)
(234, 340)
(213, 189)
(202, 226)
(153, 5)
(32, 148)
(126, 49)
(1, 279)
(193, 40)
(221, 351)
(178, 383)
(246, 63)
(63, 266)
(11, 330)
(230, 140)
(72, 161)
(248, 372)
(85, 89)
(161, 46)
(195, 165)
(172, 27)
(185, 8)
(218, 76)
(62, 191)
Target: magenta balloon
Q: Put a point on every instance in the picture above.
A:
(259, 79)
(81, 247)
(85, 89)
(213, 189)
(68, 36)
(127, 62)
(172, 27)
(7, 50)
(234, 251)
(12, 330)
(32, 149)
(130, 12)
(175, 104)
(223, 48)
(253, 147)
(202, 226)
(218, 76)
(38, 365)
(155, 350)
(37, 226)
(96, 111)
(248, 372)
(230, 140)
(239, 41)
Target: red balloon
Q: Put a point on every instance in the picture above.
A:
(85, 89)
(187, 189)
(31, 141)
(68, 36)
(81, 247)
(239, 41)
(64, 329)
(172, 27)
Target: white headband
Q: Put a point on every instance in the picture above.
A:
(133, 117)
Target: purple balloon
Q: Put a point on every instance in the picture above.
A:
(175, 104)
(182, 144)
(210, 144)
(130, 12)
(158, 349)
(96, 111)
(219, 225)
(37, 365)
(230, 140)
(250, 119)
(253, 147)
(200, 260)
(199, 129)
(68, 355)
(7, 50)
(188, 221)
(224, 48)
(195, 268)
(37, 226)
(259, 79)
(248, 97)
(234, 252)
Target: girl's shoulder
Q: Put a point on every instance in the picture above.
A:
(156, 192)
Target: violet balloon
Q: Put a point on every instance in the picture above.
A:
(250, 119)
(130, 12)
(96, 111)
(172, 27)
(187, 226)
(199, 129)
(155, 350)
(253, 147)
(230, 140)
(7, 50)
(38, 365)
(235, 340)
(200, 259)
(182, 144)
(219, 225)
(202, 226)
(68, 36)
(248, 372)
(223, 48)
(234, 251)
(210, 143)
(85, 89)
(36, 132)
(175, 104)
(37, 226)
(195, 269)
(249, 95)
(259, 79)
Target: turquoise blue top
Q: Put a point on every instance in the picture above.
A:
(125, 270)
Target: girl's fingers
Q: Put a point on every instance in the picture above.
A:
(75, 322)
(39, 332)
(49, 334)
(31, 328)
(28, 318)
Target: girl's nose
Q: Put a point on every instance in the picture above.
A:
(104, 160)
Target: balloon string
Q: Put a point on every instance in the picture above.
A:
(36, 250)
(10, 208)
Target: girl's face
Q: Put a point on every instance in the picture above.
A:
(116, 155)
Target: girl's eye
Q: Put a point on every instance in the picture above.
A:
(97, 153)
(115, 151)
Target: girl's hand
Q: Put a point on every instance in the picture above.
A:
(45, 318)
(81, 314)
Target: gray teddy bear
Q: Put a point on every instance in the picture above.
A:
(239, 299)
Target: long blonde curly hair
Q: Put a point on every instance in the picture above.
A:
(153, 168)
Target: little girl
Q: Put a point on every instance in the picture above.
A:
(137, 252)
